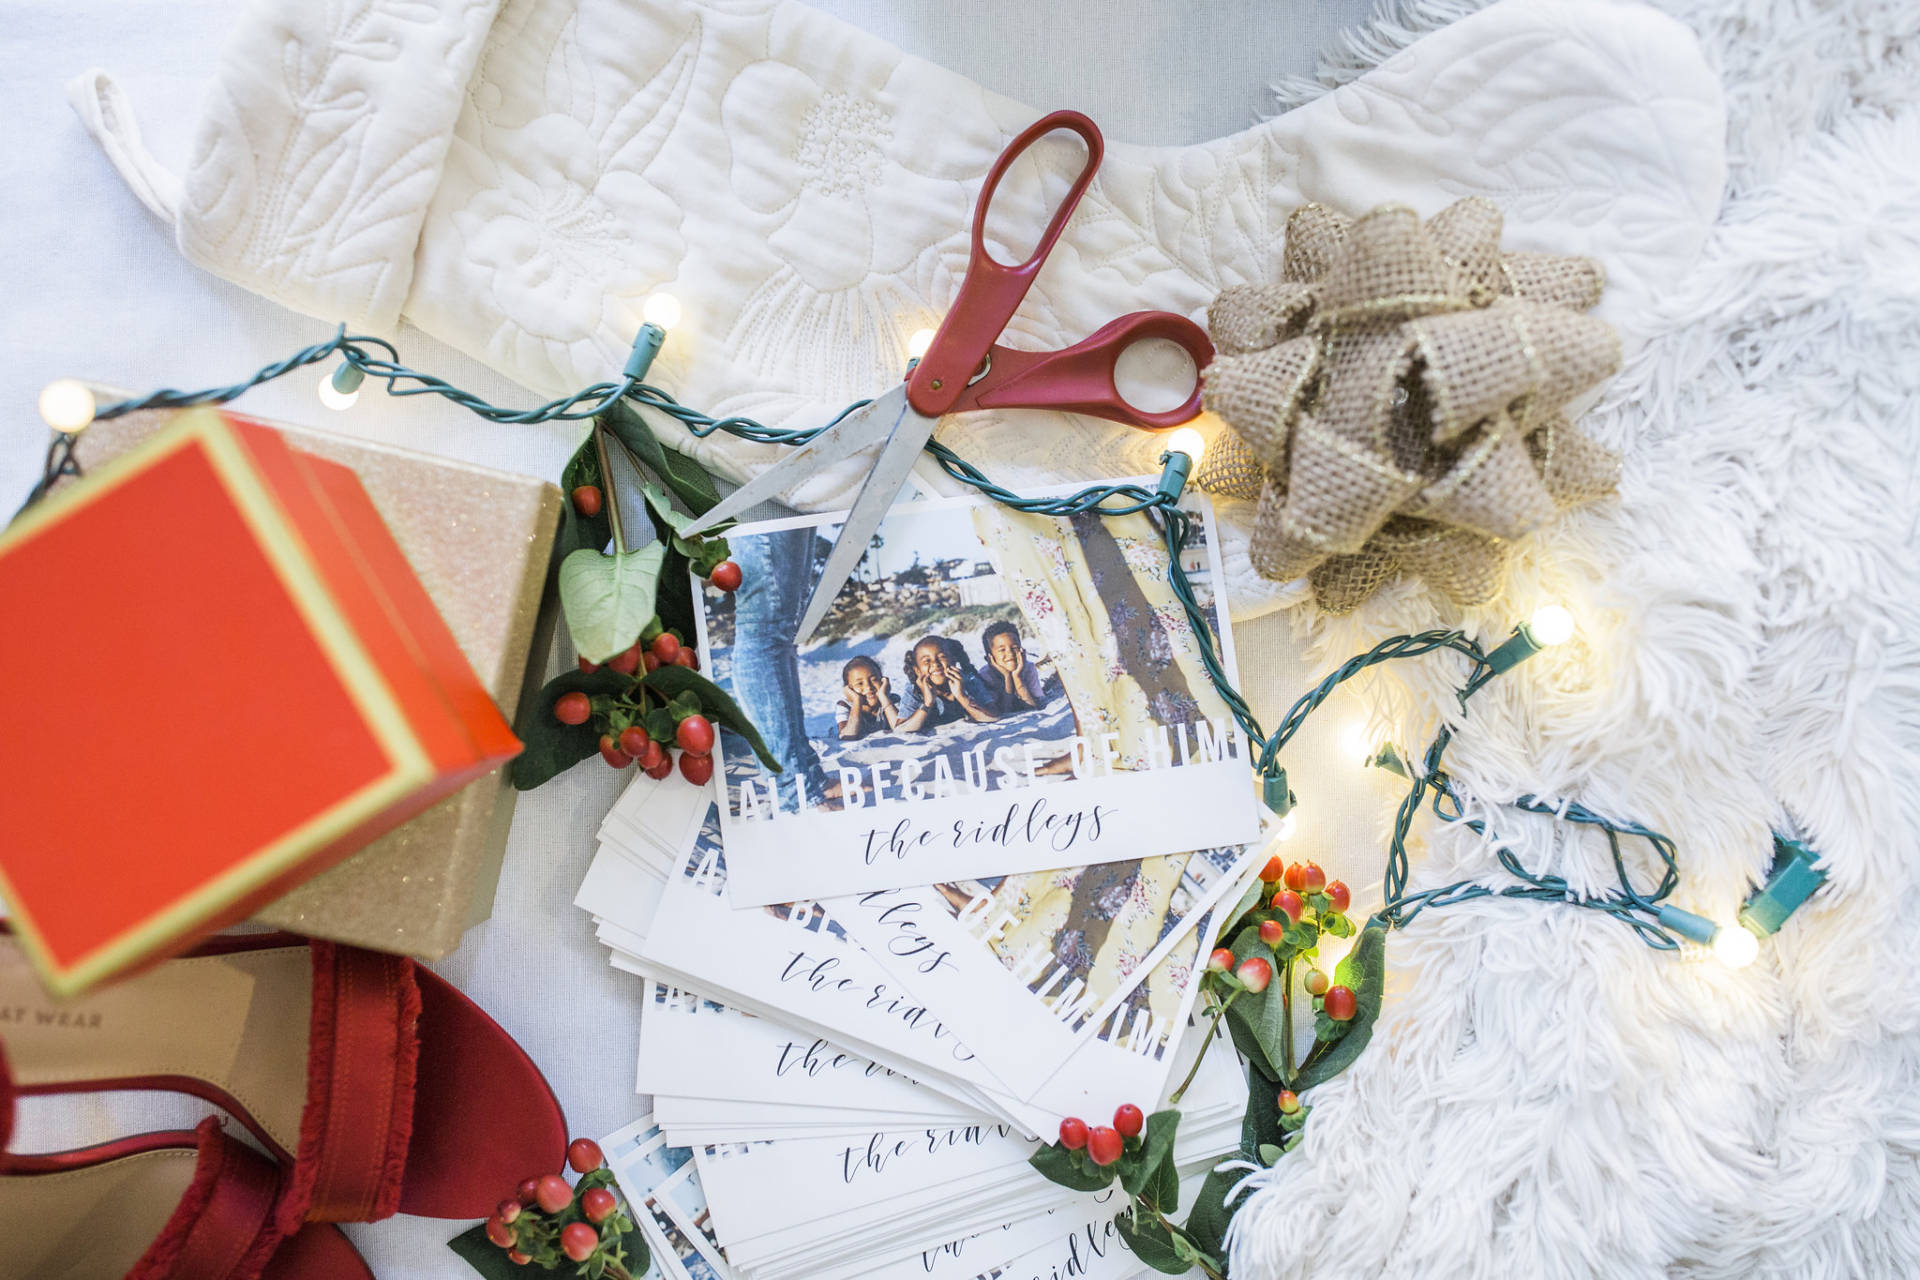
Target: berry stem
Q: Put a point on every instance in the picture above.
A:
(1286, 1022)
(1174, 1228)
(1219, 1012)
(606, 487)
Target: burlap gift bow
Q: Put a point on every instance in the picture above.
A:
(1398, 399)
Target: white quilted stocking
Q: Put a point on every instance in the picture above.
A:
(517, 177)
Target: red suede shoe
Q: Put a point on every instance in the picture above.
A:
(161, 1206)
(379, 1085)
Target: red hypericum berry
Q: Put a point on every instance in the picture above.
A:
(1220, 961)
(578, 1241)
(1339, 1003)
(598, 1204)
(1104, 1145)
(1313, 878)
(1129, 1120)
(586, 500)
(650, 755)
(1273, 870)
(696, 768)
(1338, 895)
(1271, 931)
(1073, 1133)
(665, 646)
(634, 741)
(1318, 982)
(572, 708)
(1296, 877)
(1289, 1102)
(1254, 974)
(661, 767)
(508, 1211)
(1289, 904)
(518, 1258)
(726, 576)
(695, 734)
(627, 661)
(686, 658)
(500, 1233)
(648, 662)
(589, 667)
(610, 752)
(584, 1154)
(527, 1190)
(553, 1193)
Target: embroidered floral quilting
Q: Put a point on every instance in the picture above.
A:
(845, 174)
(557, 234)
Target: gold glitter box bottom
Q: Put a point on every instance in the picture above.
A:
(481, 542)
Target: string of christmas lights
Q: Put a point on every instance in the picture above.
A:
(68, 406)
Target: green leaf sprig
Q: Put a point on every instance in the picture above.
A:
(656, 701)
(622, 1253)
(1147, 1173)
(616, 598)
(1270, 942)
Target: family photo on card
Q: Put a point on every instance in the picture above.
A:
(990, 692)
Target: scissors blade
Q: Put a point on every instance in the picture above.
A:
(861, 429)
(911, 431)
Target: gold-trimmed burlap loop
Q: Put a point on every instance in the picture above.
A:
(1398, 400)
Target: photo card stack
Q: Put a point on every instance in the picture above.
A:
(976, 897)
(763, 1085)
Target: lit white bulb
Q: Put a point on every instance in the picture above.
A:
(919, 343)
(1188, 441)
(662, 309)
(334, 398)
(1735, 946)
(1356, 742)
(67, 405)
(1550, 624)
(1283, 830)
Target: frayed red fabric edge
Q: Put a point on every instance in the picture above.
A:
(323, 1045)
(210, 1157)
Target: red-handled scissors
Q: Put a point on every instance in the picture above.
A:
(965, 368)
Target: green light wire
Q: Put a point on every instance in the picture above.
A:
(377, 358)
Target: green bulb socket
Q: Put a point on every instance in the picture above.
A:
(1516, 649)
(1688, 925)
(1389, 759)
(1791, 880)
(1274, 790)
(646, 345)
(1174, 469)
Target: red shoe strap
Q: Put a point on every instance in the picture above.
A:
(362, 1053)
(224, 1227)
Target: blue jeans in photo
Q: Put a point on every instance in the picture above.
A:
(777, 574)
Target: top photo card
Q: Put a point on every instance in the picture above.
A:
(991, 693)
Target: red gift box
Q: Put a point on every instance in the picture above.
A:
(221, 678)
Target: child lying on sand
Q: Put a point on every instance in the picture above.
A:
(944, 690)
(867, 702)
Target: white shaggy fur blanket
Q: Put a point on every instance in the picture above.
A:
(1545, 1096)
